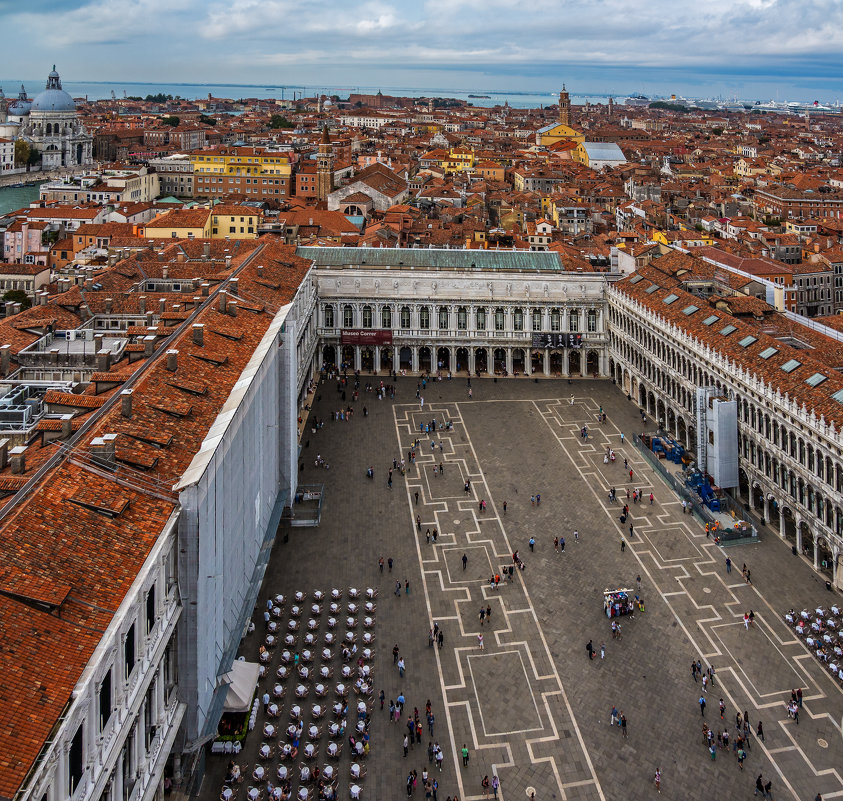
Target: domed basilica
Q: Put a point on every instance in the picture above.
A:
(50, 125)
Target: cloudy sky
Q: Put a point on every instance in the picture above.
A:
(750, 48)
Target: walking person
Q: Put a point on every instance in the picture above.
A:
(464, 755)
(623, 725)
(728, 565)
(480, 642)
(759, 785)
(658, 780)
(760, 731)
(701, 702)
(464, 561)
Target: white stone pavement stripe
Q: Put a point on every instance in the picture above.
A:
(496, 518)
(666, 598)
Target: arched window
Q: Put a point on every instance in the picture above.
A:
(49, 129)
(555, 320)
(347, 316)
(462, 318)
(518, 320)
(574, 320)
(367, 317)
(405, 317)
(443, 318)
(481, 319)
(537, 320)
(329, 316)
(424, 317)
(499, 319)
(592, 321)
(386, 317)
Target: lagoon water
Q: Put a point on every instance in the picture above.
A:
(96, 90)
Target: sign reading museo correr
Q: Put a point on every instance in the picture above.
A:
(366, 336)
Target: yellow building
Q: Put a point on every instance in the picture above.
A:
(459, 159)
(561, 129)
(557, 132)
(255, 172)
(180, 224)
(234, 222)
(684, 238)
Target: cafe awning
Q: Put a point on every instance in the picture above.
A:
(243, 678)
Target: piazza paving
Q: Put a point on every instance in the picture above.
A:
(530, 706)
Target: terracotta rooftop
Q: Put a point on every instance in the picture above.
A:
(77, 541)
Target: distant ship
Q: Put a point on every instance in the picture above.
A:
(637, 100)
(483, 97)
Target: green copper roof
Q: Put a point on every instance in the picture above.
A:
(433, 258)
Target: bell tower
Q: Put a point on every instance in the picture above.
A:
(324, 167)
(564, 107)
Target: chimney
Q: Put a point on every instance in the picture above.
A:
(206, 250)
(177, 307)
(165, 271)
(197, 282)
(103, 360)
(126, 402)
(17, 458)
(142, 304)
(43, 297)
(103, 449)
(228, 262)
(234, 286)
(149, 318)
(66, 426)
(196, 301)
(162, 305)
(223, 301)
(232, 308)
(199, 334)
(109, 305)
(206, 288)
(98, 342)
(4, 453)
(5, 356)
(172, 360)
(179, 258)
(54, 355)
(148, 346)
(260, 270)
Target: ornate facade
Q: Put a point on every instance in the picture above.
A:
(461, 320)
(790, 457)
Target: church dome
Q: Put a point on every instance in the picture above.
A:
(20, 107)
(53, 98)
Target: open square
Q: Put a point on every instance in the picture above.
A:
(517, 440)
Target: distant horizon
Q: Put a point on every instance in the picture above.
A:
(33, 86)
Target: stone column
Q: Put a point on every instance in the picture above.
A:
(565, 371)
(528, 361)
(835, 553)
(396, 355)
(583, 362)
(470, 365)
(414, 364)
(816, 549)
(357, 357)
(509, 361)
(798, 522)
(452, 359)
(377, 359)
(546, 361)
